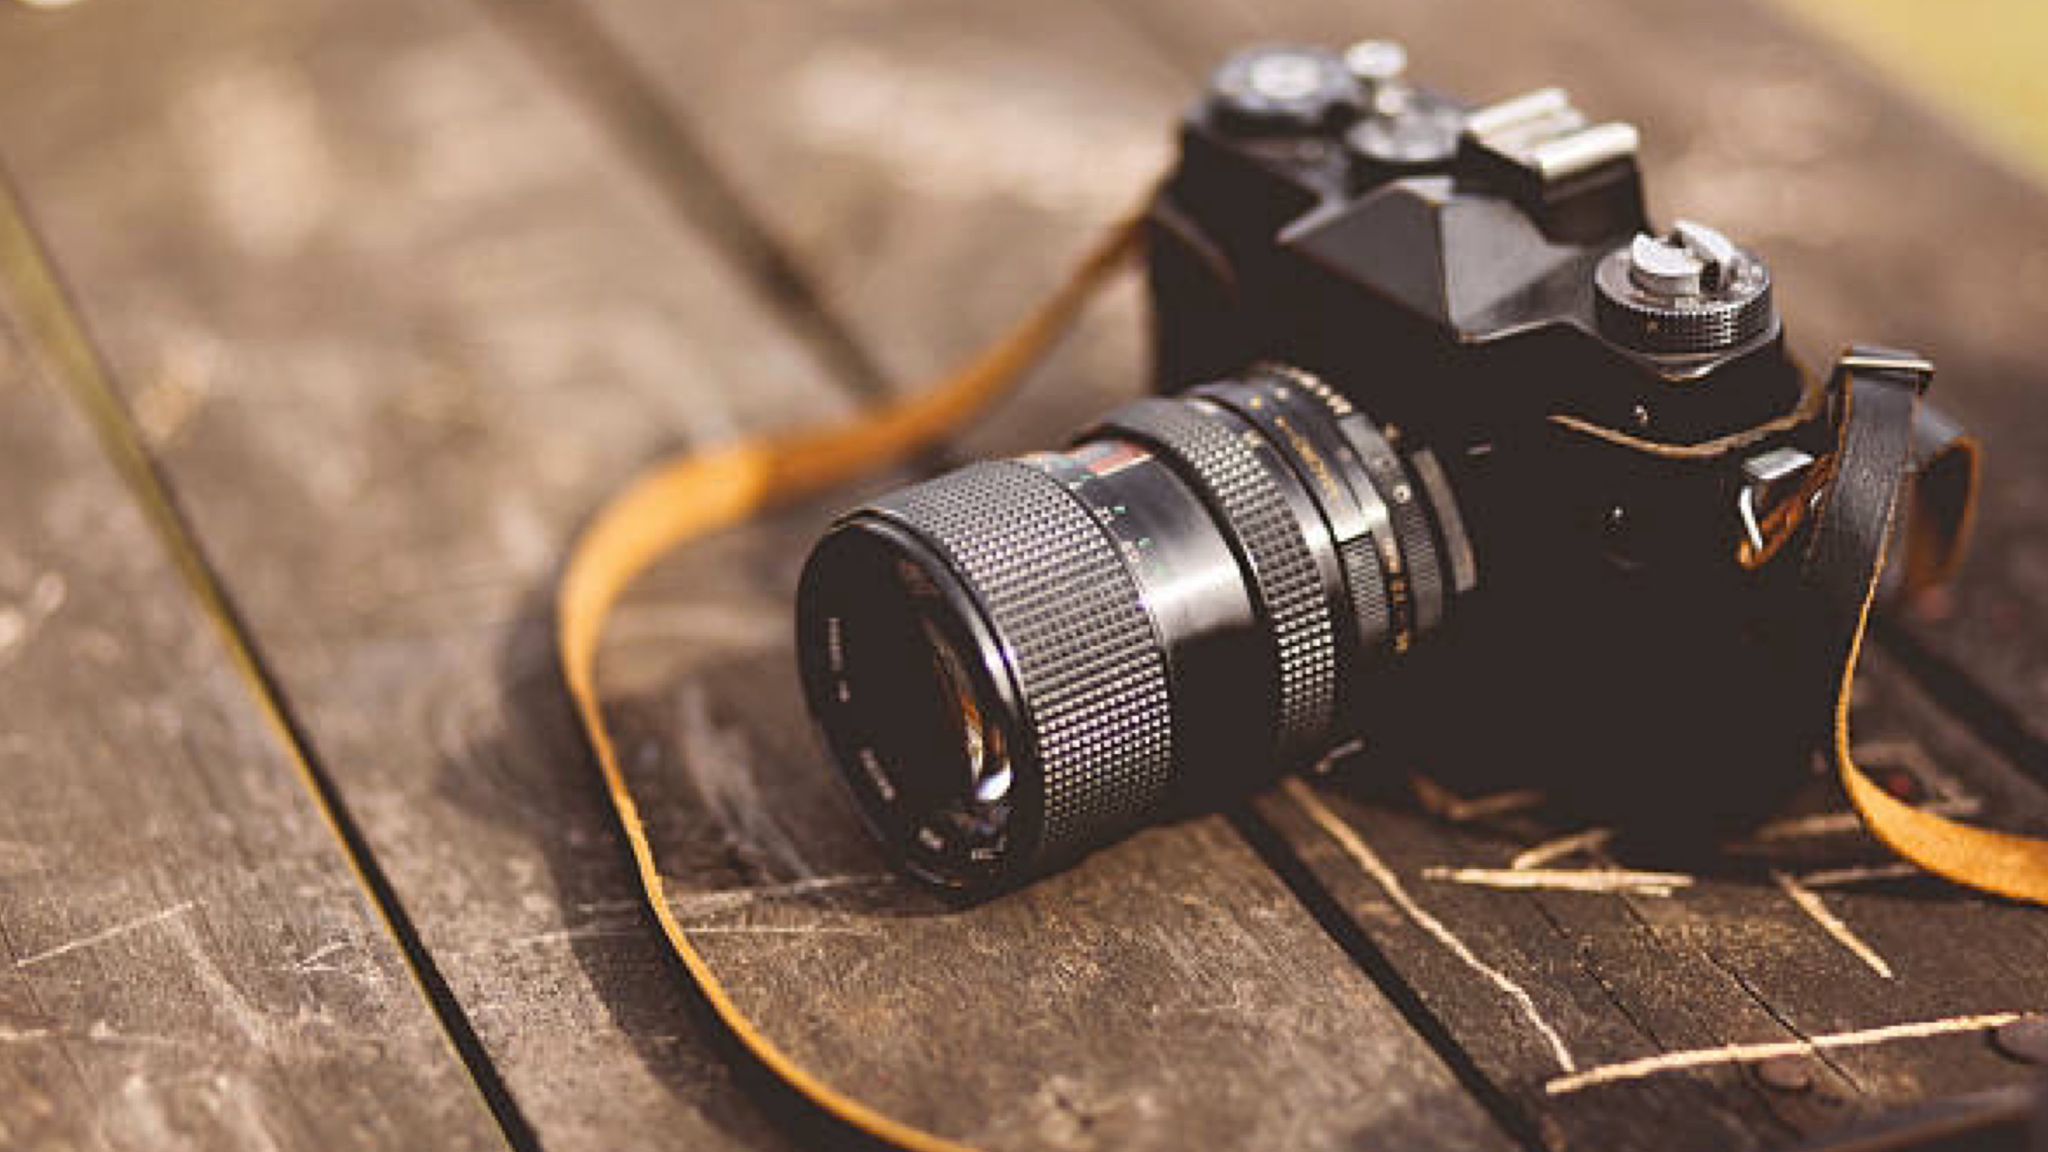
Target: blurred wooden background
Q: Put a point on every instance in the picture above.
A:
(324, 324)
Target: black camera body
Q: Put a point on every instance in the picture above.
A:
(1464, 276)
(1448, 285)
(1457, 458)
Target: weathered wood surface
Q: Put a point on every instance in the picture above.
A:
(186, 958)
(395, 317)
(1109, 1007)
(528, 243)
(344, 623)
(1695, 971)
(1724, 954)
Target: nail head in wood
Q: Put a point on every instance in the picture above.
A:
(1786, 1073)
(2024, 1039)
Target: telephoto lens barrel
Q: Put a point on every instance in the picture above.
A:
(1023, 660)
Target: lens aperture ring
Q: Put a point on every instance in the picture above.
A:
(1366, 582)
(1418, 548)
(1245, 492)
(1072, 618)
(1415, 576)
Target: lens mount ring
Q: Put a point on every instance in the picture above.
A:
(1244, 490)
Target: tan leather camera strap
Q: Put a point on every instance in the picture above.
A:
(1843, 565)
(699, 493)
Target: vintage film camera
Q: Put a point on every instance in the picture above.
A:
(1458, 455)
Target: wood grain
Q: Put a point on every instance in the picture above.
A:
(1732, 959)
(186, 957)
(395, 316)
(1727, 959)
(1112, 1006)
(399, 291)
(1104, 1052)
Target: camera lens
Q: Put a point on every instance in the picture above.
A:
(1022, 660)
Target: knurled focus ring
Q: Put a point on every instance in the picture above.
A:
(1246, 494)
(1090, 668)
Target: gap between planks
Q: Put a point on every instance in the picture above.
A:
(569, 43)
(57, 335)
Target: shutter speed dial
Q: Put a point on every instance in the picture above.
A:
(1689, 292)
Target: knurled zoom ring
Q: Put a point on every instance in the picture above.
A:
(1089, 665)
(1231, 478)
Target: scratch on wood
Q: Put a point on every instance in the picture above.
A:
(1810, 903)
(101, 1032)
(312, 961)
(1591, 840)
(1448, 805)
(1838, 877)
(1754, 1053)
(1335, 756)
(1837, 823)
(720, 763)
(106, 934)
(1355, 847)
(247, 1018)
(697, 903)
(1565, 880)
(779, 930)
(560, 935)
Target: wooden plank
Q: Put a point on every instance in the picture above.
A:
(1726, 956)
(419, 609)
(933, 171)
(963, 331)
(395, 316)
(1734, 959)
(736, 792)
(186, 957)
(1113, 1006)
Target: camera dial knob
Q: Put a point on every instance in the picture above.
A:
(1692, 291)
(1284, 89)
(1376, 62)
